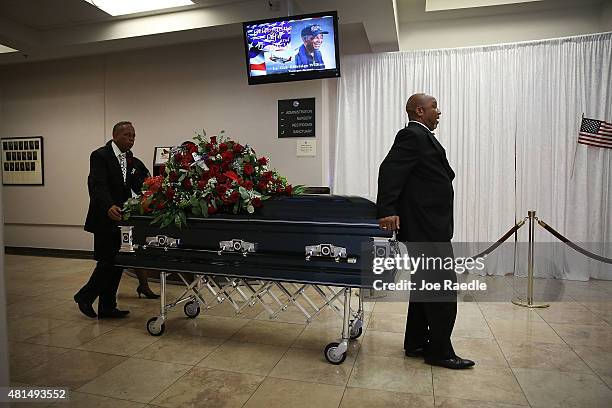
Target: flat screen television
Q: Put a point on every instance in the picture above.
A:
(292, 48)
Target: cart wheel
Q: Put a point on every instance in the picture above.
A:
(154, 328)
(355, 334)
(192, 309)
(332, 356)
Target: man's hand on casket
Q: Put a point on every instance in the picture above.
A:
(389, 223)
(114, 213)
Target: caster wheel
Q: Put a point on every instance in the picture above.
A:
(192, 309)
(332, 356)
(355, 334)
(154, 328)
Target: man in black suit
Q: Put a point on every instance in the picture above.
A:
(415, 188)
(114, 176)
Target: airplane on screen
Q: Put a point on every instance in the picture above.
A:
(276, 58)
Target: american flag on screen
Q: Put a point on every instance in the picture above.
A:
(595, 133)
(265, 37)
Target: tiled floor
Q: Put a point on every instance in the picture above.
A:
(555, 357)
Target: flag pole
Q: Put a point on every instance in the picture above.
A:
(576, 149)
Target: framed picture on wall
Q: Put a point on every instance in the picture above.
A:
(161, 156)
(22, 161)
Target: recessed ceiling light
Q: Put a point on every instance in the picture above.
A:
(4, 48)
(121, 7)
(438, 5)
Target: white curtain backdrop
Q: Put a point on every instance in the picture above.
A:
(526, 98)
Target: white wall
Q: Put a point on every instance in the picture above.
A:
(4, 352)
(168, 93)
(506, 28)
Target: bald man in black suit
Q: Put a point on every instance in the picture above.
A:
(415, 198)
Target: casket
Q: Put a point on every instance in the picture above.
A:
(317, 239)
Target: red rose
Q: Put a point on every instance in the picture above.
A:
(248, 184)
(238, 148)
(223, 147)
(205, 175)
(192, 148)
(227, 156)
(187, 184)
(234, 196)
(153, 184)
(262, 161)
(213, 139)
(220, 189)
(267, 175)
(214, 170)
(222, 178)
(173, 177)
(170, 193)
(262, 185)
(212, 209)
(213, 152)
(232, 175)
(202, 184)
(248, 169)
(288, 189)
(256, 202)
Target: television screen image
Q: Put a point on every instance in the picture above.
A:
(292, 48)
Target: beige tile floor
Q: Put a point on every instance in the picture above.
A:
(555, 357)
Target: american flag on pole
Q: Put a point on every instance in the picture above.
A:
(595, 133)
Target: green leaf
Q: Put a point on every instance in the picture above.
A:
(196, 210)
(158, 219)
(167, 220)
(243, 193)
(204, 208)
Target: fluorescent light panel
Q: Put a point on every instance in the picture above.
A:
(438, 5)
(121, 7)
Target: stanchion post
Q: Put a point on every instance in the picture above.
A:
(530, 260)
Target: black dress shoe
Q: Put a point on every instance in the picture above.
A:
(147, 292)
(85, 308)
(454, 363)
(113, 314)
(418, 352)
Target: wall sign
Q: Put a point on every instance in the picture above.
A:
(22, 161)
(296, 117)
(306, 147)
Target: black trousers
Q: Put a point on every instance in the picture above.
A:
(430, 325)
(432, 313)
(104, 280)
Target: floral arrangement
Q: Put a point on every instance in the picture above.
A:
(208, 176)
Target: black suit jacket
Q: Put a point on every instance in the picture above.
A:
(106, 186)
(415, 183)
